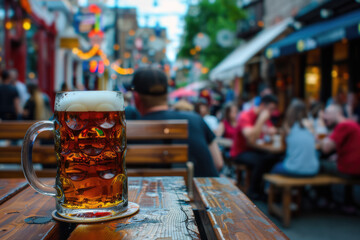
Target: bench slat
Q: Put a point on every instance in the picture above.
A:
(156, 129)
(321, 179)
(135, 130)
(136, 154)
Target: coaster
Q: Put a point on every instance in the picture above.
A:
(131, 209)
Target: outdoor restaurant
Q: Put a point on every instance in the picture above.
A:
(182, 119)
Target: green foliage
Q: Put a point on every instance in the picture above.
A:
(213, 16)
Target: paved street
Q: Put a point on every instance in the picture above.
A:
(315, 225)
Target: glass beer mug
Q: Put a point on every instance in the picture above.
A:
(90, 145)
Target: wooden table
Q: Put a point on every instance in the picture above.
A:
(165, 213)
(226, 213)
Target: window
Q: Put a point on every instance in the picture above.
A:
(312, 82)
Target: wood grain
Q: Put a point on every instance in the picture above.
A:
(135, 129)
(9, 188)
(16, 130)
(26, 203)
(136, 154)
(229, 213)
(156, 153)
(156, 129)
(165, 213)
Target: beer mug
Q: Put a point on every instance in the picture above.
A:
(90, 145)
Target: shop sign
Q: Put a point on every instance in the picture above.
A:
(304, 45)
(69, 43)
(331, 36)
(84, 22)
(272, 53)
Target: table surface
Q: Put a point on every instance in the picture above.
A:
(227, 213)
(165, 213)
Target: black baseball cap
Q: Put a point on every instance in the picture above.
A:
(150, 81)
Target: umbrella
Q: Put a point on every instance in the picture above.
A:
(183, 92)
(197, 85)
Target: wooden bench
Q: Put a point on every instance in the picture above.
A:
(224, 212)
(286, 185)
(164, 151)
(243, 177)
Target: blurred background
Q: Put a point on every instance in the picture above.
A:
(302, 48)
(213, 52)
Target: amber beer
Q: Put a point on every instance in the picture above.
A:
(90, 144)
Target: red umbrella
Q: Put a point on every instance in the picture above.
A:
(183, 92)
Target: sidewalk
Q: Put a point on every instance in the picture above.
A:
(315, 225)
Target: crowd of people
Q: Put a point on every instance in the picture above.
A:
(19, 101)
(311, 138)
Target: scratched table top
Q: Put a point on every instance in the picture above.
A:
(219, 211)
(165, 213)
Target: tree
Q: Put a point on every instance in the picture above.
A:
(210, 18)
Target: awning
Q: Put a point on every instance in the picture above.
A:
(233, 65)
(317, 35)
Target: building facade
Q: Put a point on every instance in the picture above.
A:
(319, 60)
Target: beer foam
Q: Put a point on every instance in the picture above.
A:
(83, 101)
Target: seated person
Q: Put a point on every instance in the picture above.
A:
(300, 158)
(316, 113)
(345, 140)
(227, 128)
(252, 125)
(202, 108)
(150, 94)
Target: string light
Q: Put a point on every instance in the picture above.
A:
(92, 66)
(104, 57)
(127, 55)
(27, 24)
(116, 47)
(86, 55)
(204, 70)
(131, 32)
(105, 61)
(122, 71)
(8, 25)
(152, 38)
(31, 75)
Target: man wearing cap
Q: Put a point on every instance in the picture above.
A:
(150, 94)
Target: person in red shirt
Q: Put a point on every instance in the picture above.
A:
(227, 128)
(345, 140)
(253, 125)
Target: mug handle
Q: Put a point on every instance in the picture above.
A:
(26, 157)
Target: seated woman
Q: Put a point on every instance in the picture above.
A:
(227, 128)
(300, 159)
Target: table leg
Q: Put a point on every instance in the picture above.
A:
(271, 198)
(286, 201)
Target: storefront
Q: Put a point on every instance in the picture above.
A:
(29, 43)
(320, 60)
(244, 66)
